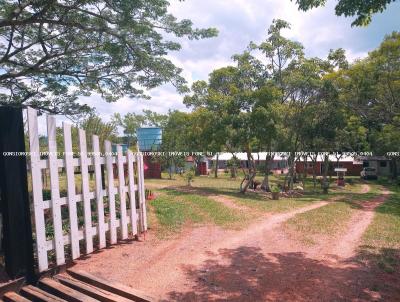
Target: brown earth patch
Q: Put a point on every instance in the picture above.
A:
(259, 263)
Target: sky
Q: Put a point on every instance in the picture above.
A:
(241, 21)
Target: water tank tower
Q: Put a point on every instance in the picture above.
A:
(149, 139)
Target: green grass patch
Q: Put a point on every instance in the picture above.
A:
(172, 214)
(212, 210)
(273, 206)
(381, 241)
(173, 209)
(326, 220)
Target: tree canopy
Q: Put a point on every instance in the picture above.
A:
(361, 9)
(284, 100)
(51, 52)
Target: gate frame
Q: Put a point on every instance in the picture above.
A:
(17, 227)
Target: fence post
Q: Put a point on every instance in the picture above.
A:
(16, 216)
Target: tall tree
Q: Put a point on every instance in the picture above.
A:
(370, 88)
(51, 52)
(93, 125)
(234, 94)
(154, 119)
(130, 122)
(279, 53)
(361, 9)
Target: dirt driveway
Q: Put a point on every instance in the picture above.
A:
(259, 263)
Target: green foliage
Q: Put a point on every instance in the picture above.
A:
(93, 125)
(52, 52)
(275, 189)
(361, 9)
(189, 176)
(369, 91)
(130, 122)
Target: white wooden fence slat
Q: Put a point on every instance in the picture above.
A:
(137, 219)
(67, 239)
(71, 193)
(142, 204)
(111, 193)
(44, 163)
(55, 190)
(78, 197)
(144, 209)
(139, 190)
(132, 195)
(122, 193)
(36, 175)
(99, 192)
(85, 192)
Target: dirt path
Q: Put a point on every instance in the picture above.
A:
(365, 188)
(357, 225)
(225, 200)
(259, 263)
(157, 267)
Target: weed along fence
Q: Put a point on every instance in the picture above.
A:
(79, 213)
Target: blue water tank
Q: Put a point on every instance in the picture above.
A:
(149, 139)
(124, 148)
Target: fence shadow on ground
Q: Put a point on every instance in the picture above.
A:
(247, 274)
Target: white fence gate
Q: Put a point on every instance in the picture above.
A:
(118, 223)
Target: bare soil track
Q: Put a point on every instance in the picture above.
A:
(259, 263)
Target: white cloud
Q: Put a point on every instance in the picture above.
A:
(242, 21)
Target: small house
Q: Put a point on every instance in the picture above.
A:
(381, 164)
(354, 166)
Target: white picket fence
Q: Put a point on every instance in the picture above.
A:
(109, 226)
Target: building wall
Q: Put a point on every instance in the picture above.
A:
(309, 168)
(152, 169)
(352, 169)
(382, 167)
(202, 168)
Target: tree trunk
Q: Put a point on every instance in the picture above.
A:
(196, 166)
(170, 168)
(304, 172)
(314, 163)
(292, 163)
(233, 172)
(325, 182)
(248, 179)
(216, 166)
(265, 183)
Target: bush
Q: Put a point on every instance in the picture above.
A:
(275, 189)
(189, 176)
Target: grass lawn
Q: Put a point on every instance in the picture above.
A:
(327, 220)
(262, 204)
(381, 241)
(331, 219)
(174, 208)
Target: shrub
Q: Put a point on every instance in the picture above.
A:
(275, 189)
(189, 176)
